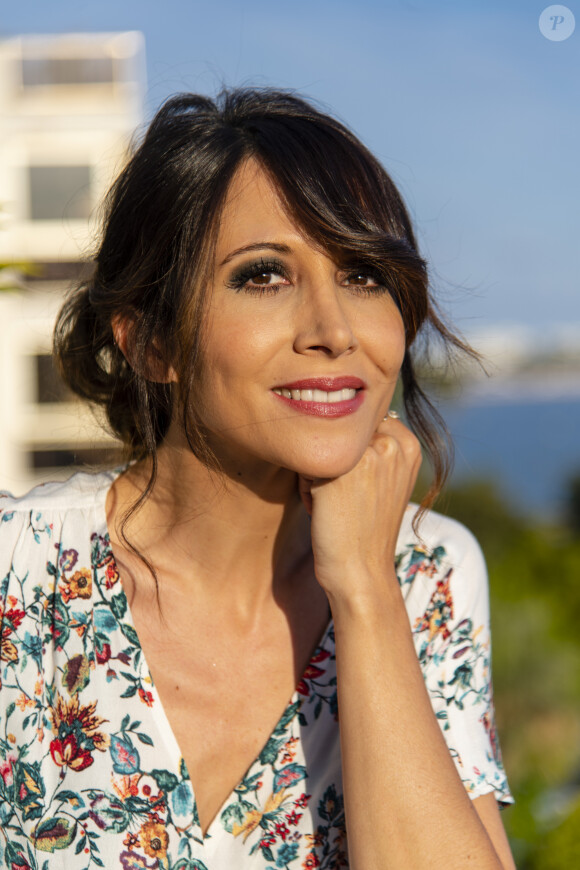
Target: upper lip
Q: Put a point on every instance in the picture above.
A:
(345, 382)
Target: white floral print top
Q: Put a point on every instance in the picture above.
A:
(90, 772)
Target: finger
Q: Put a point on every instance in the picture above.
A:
(393, 438)
(396, 430)
(304, 490)
(392, 423)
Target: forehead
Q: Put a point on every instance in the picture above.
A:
(253, 212)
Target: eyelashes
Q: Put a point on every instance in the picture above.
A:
(248, 277)
(256, 277)
(358, 277)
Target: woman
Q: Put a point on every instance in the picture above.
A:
(254, 302)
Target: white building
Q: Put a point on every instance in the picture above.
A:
(69, 105)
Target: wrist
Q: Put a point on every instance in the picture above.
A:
(360, 592)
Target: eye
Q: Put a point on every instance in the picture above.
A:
(261, 276)
(361, 279)
(366, 281)
(264, 279)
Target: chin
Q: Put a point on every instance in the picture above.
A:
(327, 464)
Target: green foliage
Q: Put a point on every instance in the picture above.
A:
(482, 508)
(9, 271)
(561, 845)
(534, 575)
(573, 505)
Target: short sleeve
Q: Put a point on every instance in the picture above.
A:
(25, 544)
(444, 582)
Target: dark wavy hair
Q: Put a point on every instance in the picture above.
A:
(155, 258)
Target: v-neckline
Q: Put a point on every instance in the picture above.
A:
(157, 709)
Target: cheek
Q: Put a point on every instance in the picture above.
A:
(389, 348)
(232, 356)
(243, 341)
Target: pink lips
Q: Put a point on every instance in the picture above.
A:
(329, 385)
(346, 382)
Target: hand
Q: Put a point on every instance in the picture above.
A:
(356, 517)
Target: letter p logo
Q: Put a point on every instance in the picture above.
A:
(557, 23)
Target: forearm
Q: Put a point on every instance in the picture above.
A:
(405, 804)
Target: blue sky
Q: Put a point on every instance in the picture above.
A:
(472, 110)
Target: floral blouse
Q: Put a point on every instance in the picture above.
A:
(90, 772)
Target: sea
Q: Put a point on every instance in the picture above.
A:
(522, 436)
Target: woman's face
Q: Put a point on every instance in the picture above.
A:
(301, 357)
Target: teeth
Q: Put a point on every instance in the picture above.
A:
(317, 395)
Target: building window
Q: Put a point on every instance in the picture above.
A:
(45, 458)
(50, 387)
(57, 192)
(66, 71)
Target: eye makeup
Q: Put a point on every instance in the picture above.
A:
(354, 276)
(249, 278)
(357, 272)
(244, 277)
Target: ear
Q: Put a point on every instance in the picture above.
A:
(155, 368)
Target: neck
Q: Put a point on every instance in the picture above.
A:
(242, 536)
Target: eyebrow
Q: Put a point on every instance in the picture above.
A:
(256, 246)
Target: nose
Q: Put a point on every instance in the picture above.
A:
(323, 325)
